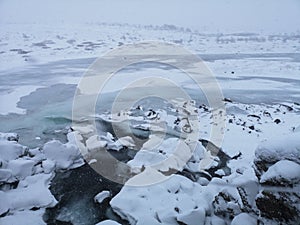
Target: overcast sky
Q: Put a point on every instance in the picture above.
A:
(204, 15)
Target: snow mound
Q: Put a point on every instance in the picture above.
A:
(282, 172)
(273, 150)
(244, 219)
(65, 156)
(181, 196)
(108, 222)
(10, 150)
(102, 196)
(24, 217)
(32, 192)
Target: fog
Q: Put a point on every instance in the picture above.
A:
(203, 15)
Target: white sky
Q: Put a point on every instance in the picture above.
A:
(204, 15)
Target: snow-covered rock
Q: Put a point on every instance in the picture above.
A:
(5, 175)
(24, 217)
(163, 155)
(21, 167)
(102, 196)
(65, 156)
(94, 143)
(10, 150)
(273, 150)
(283, 173)
(32, 192)
(108, 222)
(9, 136)
(244, 219)
(175, 199)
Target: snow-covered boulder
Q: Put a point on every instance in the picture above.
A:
(10, 150)
(108, 222)
(244, 219)
(282, 173)
(32, 192)
(273, 150)
(65, 156)
(99, 198)
(280, 206)
(163, 155)
(9, 136)
(21, 167)
(228, 203)
(175, 199)
(24, 217)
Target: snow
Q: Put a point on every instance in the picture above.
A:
(244, 219)
(284, 147)
(24, 217)
(253, 68)
(31, 192)
(10, 150)
(102, 196)
(21, 168)
(180, 195)
(9, 99)
(108, 222)
(284, 170)
(64, 155)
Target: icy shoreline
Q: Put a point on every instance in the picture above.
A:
(256, 176)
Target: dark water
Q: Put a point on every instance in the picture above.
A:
(75, 190)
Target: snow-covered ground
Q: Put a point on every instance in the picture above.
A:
(39, 70)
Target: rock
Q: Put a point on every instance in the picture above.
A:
(9, 136)
(277, 121)
(283, 207)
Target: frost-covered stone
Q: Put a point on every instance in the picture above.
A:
(283, 173)
(32, 192)
(24, 217)
(102, 196)
(9, 136)
(172, 153)
(176, 198)
(94, 143)
(10, 150)
(48, 166)
(5, 175)
(194, 217)
(273, 150)
(244, 219)
(64, 155)
(108, 222)
(21, 168)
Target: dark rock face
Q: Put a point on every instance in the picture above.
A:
(279, 206)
